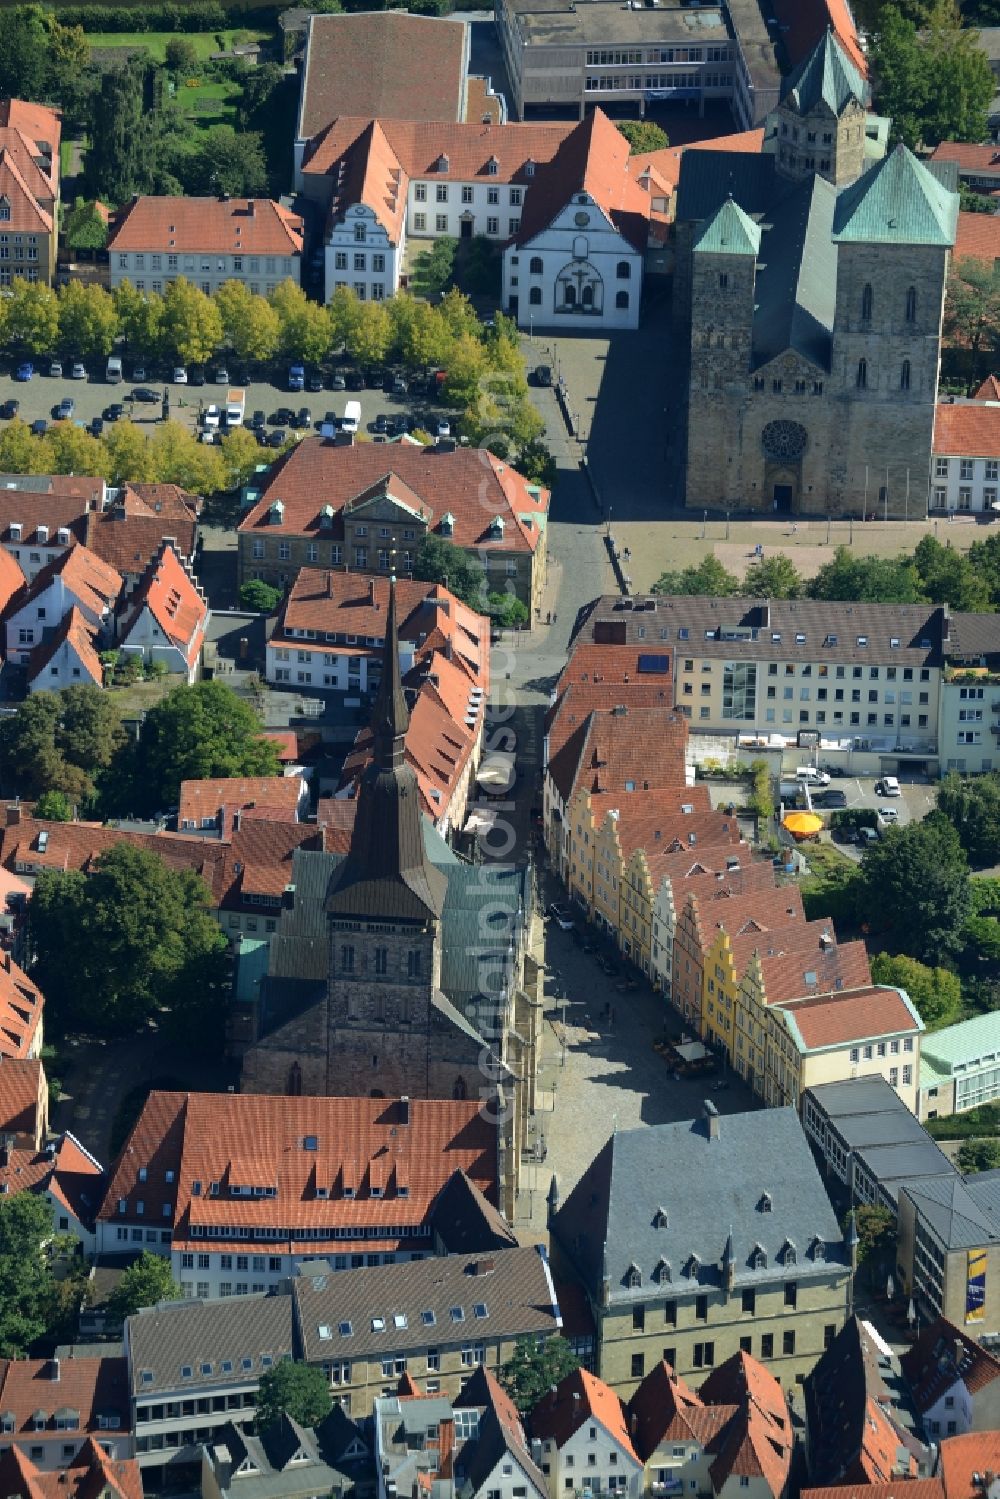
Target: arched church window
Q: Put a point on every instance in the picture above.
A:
(904, 375)
(862, 380)
(294, 1085)
(911, 304)
(536, 267)
(624, 270)
(460, 1089)
(866, 303)
(621, 300)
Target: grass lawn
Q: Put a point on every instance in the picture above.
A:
(141, 696)
(155, 42)
(210, 103)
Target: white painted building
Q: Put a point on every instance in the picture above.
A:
(360, 255)
(965, 461)
(585, 1444)
(579, 271)
(77, 579)
(208, 241)
(968, 725)
(69, 659)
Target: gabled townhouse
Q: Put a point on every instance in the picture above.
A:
(664, 1267)
(287, 1461)
(861, 1427)
(43, 514)
(213, 807)
(24, 1102)
(194, 1367)
(662, 880)
(166, 617)
(237, 1189)
(68, 657)
(965, 457)
(65, 1173)
(74, 578)
(436, 1320)
(595, 679)
(954, 1380)
(90, 1473)
(50, 1407)
(30, 136)
(873, 1030)
(137, 519)
(368, 507)
(207, 241)
(702, 921)
(585, 1441)
(21, 1007)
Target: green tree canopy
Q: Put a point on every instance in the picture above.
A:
(145, 1282)
(60, 741)
(224, 161)
(643, 135)
(305, 327)
(507, 610)
(121, 158)
(86, 228)
(876, 580)
(196, 733)
(972, 806)
(54, 806)
(972, 310)
(773, 577)
(88, 321)
(936, 992)
(28, 1294)
(978, 1155)
(192, 325)
(301, 1391)
(32, 313)
(876, 1228)
(948, 577)
(533, 1368)
(24, 64)
(256, 594)
(709, 578)
(119, 946)
(932, 78)
(181, 55)
(439, 561)
(915, 887)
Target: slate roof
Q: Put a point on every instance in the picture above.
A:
(610, 1221)
(505, 1295)
(796, 286)
(828, 76)
(803, 23)
(729, 231)
(898, 201)
(244, 1331)
(707, 178)
(964, 1213)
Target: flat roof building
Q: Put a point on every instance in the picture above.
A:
(960, 1067)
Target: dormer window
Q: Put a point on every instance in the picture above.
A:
(4, 210)
(496, 527)
(788, 1254)
(529, 168)
(447, 524)
(693, 1267)
(660, 1218)
(819, 1249)
(443, 163)
(765, 1204)
(758, 1258)
(633, 1277)
(15, 530)
(661, 1273)
(492, 166)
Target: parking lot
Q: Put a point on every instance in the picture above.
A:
(39, 397)
(915, 799)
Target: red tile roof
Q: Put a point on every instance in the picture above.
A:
(908, 1488)
(970, 157)
(581, 1397)
(253, 226)
(386, 64)
(989, 390)
(92, 1387)
(59, 503)
(592, 159)
(64, 1170)
(977, 238)
(845, 1018)
(942, 1355)
(76, 845)
(758, 1441)
(93, 584)
(470, 484)
(256, 1140)
(20, 1089)
(168, 590)
(129, 535)
(42, 124)
(12, 579)
(80, 635)
(967, 430)
(803, 23)
(36, 170)
(642, 746)
(27, 215)
(21, 1005)
(205, 799)
(665, 1409)
(962, 1460)
(746, 918)
(91, 1475)
(805, 958)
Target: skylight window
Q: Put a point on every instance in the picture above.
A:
(346, 1330)
(399, 1320)
(428, 1319)
(325, 1331)
(378, 1324)
(226, 1366)
(147, 1376)
(206, 1368)
(186, 1371)
(457, 1314)
(247, 1363)
(480, 1309)
(863, 641)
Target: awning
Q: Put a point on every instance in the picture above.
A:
(496, 773)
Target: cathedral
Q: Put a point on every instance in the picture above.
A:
(812, 276)
(398, 969)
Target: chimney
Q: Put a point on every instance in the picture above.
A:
(4, 1154)
(576, 1401)
(329, 585)
(633, 1424)
(959, 1353)
(371, 593)
(482, 1267)
(711, 1118)
(54, 1369)
(251, 208)
(404, 1110)
(13, 816)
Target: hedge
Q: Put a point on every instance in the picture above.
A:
(974, 1124)
(202, 15)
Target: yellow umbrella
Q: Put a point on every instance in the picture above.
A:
(802, 824)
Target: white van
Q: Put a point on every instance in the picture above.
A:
(113, 372)
(813, 776)
(352, 417)
(887, 786)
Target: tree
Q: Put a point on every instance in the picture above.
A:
(145, 1282)
(507, 611)
(419, 333)
(88, 321)
(192, 325)
(21, 452)
(709, 579)
(224, 161)
(876, 1228)
(875, 580)
(249, 322)
(643, 135)
(74, 451)
(60, 741)
(439, 561)
(982, 940)
(241, 456)
(933, 80)
(54, 806)
(23, 52)
(177, 457)
(301, 1391)
(140, 318)
(32, 316)
(27, 1287)
(128, 454)
(915, 887)
(195, 733)
(181, 55)
(433, 268)
(121, 158)
(370, 335)
(973, 809)
(947, 577)
(70, 77)
(774, 577)
(86, 228)
(261, 596)
(978, 1155)
(972, 310)
(533, 1368)
(305, 326)
(936, 992)
(118, 947)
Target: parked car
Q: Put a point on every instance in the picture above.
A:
(65, 410)
(314, 381)
(338, 380)
(831, 799)
(180, 375)
(257, 421)
(95, 426)
(283, 417)
(277, 438)
(443, 428)
(543, 375)
(145, 395)
(139, 372)
(303, 417)
(9, 409)
(114, 412)
(561, 916)
(220, 375)
(887, 815)
(396, 385)
(354, 380)
(79, 370)
(867, 836)
(808, 774)
(398, 425)
(374, 376)
(24, 371)
(196, 375)
(887, 786)
(381, 423)
(296, 377)
(55, 369)
(39, 427)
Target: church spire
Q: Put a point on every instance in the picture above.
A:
(391, 718)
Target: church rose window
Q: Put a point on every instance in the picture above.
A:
(784, 439)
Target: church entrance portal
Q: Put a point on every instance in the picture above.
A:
(783, 498)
